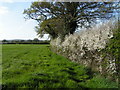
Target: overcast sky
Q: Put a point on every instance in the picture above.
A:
(12, 22)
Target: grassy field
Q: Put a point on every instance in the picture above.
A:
(35, 66)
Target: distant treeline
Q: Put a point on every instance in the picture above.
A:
(35, 41)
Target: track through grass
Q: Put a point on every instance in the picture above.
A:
(35, 66)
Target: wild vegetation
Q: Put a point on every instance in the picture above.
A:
(97, 48)
(113, 49)
(24, 67)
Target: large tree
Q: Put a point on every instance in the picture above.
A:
(73, 14)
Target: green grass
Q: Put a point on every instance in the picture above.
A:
(35, 66)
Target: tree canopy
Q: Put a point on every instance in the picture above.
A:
(62, 18)
(50, 27)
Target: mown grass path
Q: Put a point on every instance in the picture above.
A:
(35, 66)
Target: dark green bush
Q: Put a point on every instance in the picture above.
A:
(113, 49)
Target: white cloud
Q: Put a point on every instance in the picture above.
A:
(7, 1)
(3, 10)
